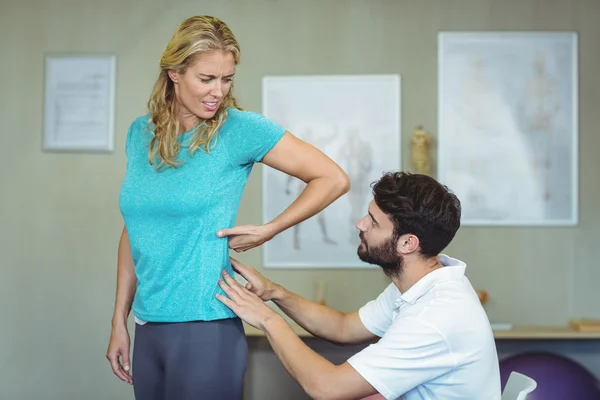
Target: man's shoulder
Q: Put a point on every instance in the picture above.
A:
(392, 290)
(390, 297)
(457, 320)
(449, 306)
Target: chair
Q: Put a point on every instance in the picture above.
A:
(518, 387)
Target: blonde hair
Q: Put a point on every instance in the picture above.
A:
(193, 37)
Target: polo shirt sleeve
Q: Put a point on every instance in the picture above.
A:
(377, 315)
(410, 354)
(251, 137)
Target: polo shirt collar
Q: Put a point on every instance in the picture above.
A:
(452, 269)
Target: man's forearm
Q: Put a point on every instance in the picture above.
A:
(320, 320)
(308, 368)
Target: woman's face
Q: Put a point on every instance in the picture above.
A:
(200, 90)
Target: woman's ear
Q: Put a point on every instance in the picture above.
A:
(174, 76)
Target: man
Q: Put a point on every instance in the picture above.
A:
(435, 338)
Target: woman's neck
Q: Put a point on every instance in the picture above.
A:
(187, 122)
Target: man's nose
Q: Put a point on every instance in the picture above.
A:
(361, 224)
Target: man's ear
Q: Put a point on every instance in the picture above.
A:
(408, 244)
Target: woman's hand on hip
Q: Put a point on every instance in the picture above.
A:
(246, 237)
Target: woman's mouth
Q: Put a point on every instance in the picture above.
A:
(210, 106)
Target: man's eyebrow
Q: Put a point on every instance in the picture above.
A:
(372, 217)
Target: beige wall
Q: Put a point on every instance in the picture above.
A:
(60, 223)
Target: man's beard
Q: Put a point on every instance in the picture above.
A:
(385, 255)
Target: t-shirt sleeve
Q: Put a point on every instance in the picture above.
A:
(410, 354)
(136, 129)
(128, 138)
(251, 137)
(377, 315)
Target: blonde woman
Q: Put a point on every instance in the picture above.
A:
(188, 161)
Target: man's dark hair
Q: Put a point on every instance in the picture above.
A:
(419, 205)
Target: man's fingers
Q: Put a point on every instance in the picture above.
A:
(238, 266)
(228, 302)
(234, 289)
(235, 285)
(229, 290)
(244, 270)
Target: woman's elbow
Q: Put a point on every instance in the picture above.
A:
(341, 182)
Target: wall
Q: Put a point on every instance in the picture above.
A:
(60, 223)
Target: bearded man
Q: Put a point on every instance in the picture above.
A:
(429, 335)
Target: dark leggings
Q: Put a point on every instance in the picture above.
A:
(189, 360)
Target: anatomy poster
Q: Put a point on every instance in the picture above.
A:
(353, 119)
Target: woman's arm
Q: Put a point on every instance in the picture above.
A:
(325, 180)
(119, 345)
(126, 281)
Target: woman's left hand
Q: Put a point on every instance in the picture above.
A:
(246, 237)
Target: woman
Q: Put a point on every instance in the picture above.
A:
(187, 164)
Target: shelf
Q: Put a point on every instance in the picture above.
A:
(519, 332)
(544, 332)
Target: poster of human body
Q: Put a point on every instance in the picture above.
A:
(353, 119)
(507, 140)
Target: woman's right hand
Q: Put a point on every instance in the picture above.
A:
(118, 353)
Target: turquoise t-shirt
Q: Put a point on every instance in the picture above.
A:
(173, 215)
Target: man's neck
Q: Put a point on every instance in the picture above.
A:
(414, 271)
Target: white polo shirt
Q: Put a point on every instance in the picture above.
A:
(436, 340)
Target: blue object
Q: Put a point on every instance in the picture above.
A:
(557, 377)
(172, 216)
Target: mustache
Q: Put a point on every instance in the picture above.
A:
(363, 241)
